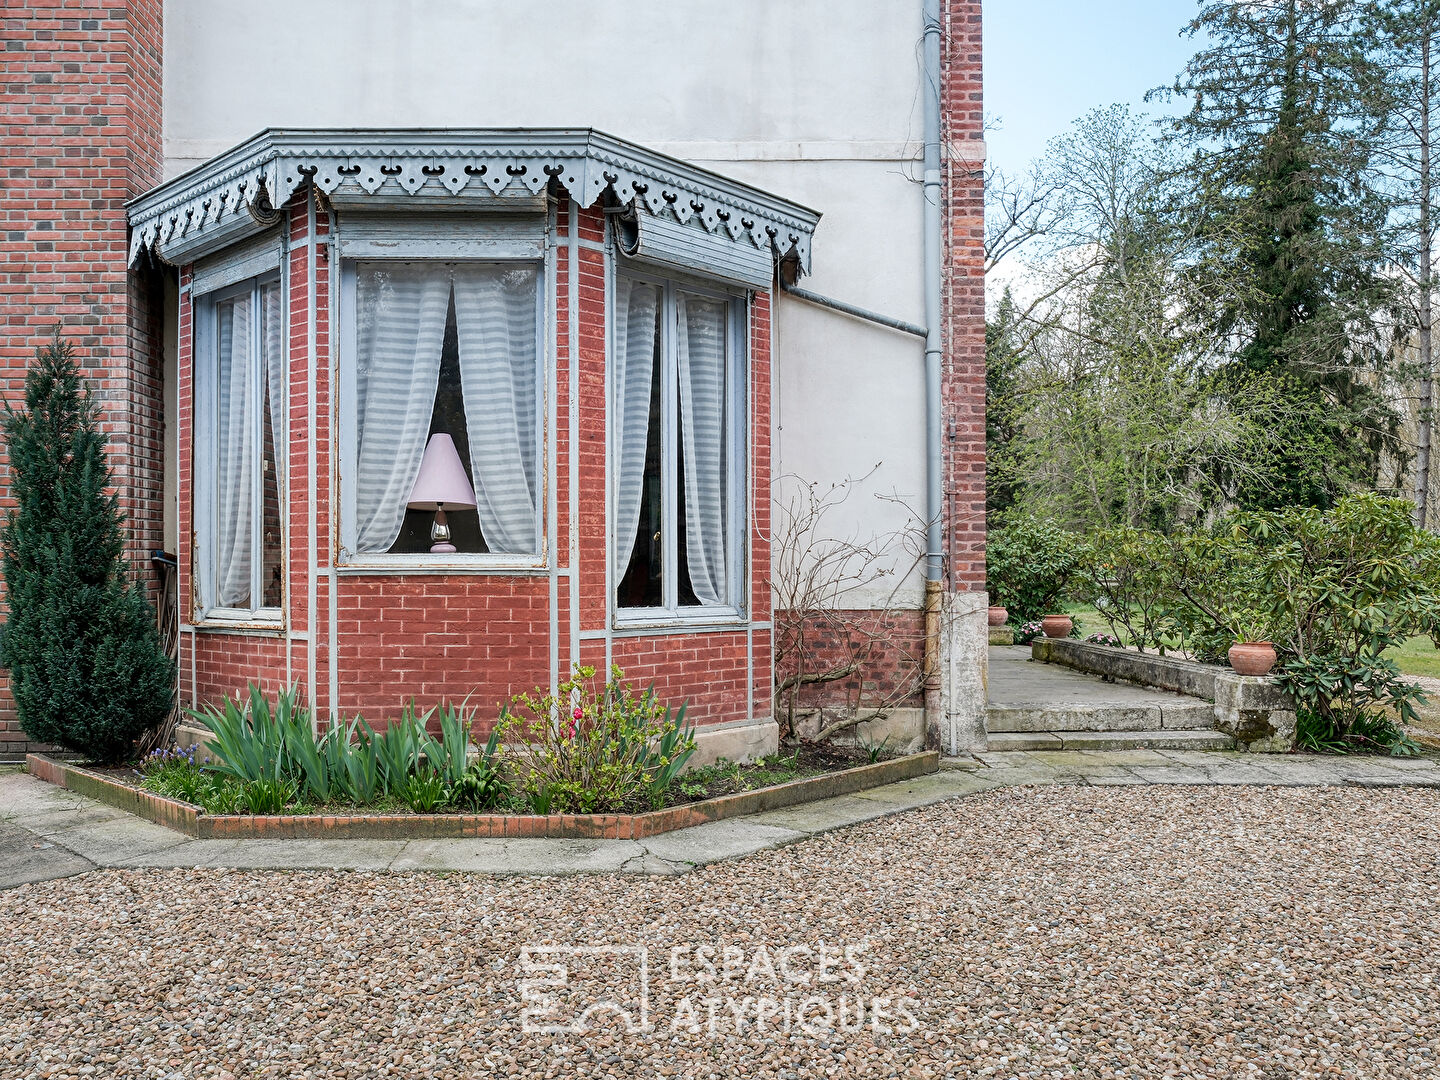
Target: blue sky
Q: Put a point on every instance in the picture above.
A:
(1048, 62)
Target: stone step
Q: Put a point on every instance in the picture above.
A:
(1110, 740)
(1174, 713)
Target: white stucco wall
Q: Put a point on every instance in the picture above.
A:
(815, 100)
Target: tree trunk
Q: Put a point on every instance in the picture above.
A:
(1422, 451)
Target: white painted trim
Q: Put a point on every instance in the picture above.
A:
(552, 504)
(240, 629)
(311, 488)
(410, 569)
(609, 344)
(572, 395)
(204, 374)
(184, 154)
(737, 360)
(347, 436)
(331, 540)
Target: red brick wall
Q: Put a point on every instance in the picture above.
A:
(963, 376)
(893, 644)
(82, 135)
(436, 637)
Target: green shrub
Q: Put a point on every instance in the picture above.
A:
(250, 741)
(422, 792)
(268, 796)
(1127, 576)
(593, 749)
(1331, 589)
(400, 749)
(86, 667)
(483, 785)
(1029, 565)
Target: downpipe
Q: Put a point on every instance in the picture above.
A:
(934, 488)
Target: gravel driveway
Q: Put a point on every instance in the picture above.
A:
(1027, 932)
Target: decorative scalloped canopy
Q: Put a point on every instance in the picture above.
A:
(244, 185)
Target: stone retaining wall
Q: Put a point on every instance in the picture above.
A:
(1254, 711)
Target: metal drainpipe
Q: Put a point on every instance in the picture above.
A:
(934, 490)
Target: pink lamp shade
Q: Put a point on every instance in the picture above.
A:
(441, 479)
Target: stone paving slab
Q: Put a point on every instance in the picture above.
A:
(528, 856)
(718, 840)
(47, 832)
(25, 856)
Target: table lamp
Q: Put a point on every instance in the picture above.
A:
(441, 482)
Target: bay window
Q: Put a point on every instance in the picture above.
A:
(441, 348)
(241, 426)
(678, 450)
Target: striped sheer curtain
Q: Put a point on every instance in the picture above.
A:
(495, 318)
(400, 330)
(237, 401)
(637, 309)
(700, 356)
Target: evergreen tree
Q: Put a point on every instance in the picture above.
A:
(1279, 187)
(86, 667)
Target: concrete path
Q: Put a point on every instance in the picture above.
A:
(48, 832)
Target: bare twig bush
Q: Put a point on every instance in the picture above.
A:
(824, 639)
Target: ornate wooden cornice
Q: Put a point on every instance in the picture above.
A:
(241, 188)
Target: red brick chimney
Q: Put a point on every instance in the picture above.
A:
(82, 135)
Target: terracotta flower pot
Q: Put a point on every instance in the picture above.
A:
(1252, 657)
(1056, 625)
(998, 615)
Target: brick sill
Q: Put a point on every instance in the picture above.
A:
(193, 821)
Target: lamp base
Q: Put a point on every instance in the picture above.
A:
(441, 549)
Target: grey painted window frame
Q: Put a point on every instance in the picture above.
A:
(206, 363)
(671, 614)
(441, 252)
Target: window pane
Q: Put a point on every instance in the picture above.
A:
(448, 416)
(400, 315)
(639, 377)
(495, 315)
(273, 448)
(235, 453)
(702, 477)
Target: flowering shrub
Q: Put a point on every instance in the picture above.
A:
(591, 748)
(1028, 632)
(1106, 639)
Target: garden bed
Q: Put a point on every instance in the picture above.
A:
(712, 792)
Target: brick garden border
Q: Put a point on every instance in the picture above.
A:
(194, 821)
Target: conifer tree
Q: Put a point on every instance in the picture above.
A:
(1283, 153)
(86, 667)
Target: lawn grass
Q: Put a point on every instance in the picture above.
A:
(1418, 656)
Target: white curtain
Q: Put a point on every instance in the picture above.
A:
(236, 451)
(495, 319)
(700, 355)
(400, 329)
(636, 327)
(277, 367)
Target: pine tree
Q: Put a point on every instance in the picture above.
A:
(86, 667)
(1282, 156)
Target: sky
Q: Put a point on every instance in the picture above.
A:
(1048, 62)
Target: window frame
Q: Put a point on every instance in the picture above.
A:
(671, 613)
(206, 362)
(485, 253)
